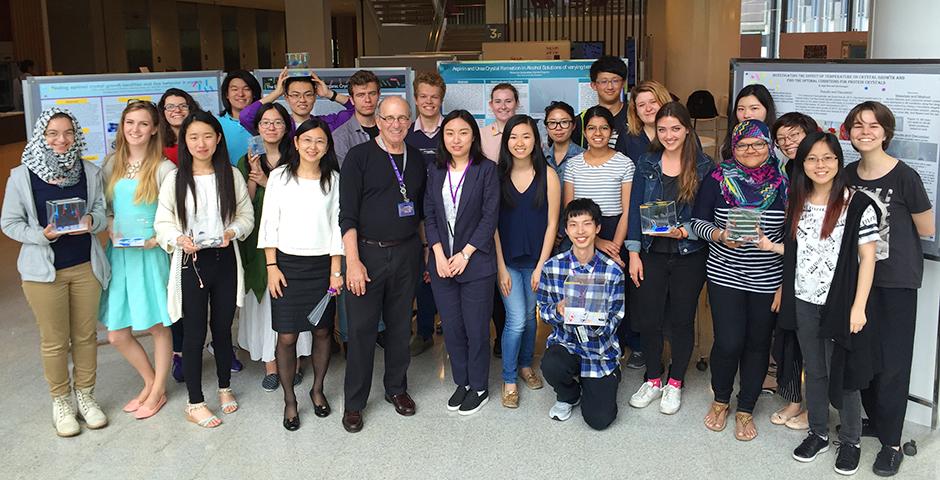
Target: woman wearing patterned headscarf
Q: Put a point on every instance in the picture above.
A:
(63, 272)
(747, 190)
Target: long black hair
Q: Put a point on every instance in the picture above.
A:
(286, 145)
(763, 96)
(801, 186)
(246, 77)
(224, 179)
(444, 157)
(506, 161)
(169, 137)
(328, 162)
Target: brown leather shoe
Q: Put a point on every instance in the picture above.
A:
(404, 405)
(352, 420)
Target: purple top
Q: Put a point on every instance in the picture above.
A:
(247, 117)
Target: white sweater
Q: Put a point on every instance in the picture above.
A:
(168, 229)
(298, 218)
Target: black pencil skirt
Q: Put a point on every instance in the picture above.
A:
(308, 279)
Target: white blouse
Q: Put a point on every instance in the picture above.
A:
(298, 218)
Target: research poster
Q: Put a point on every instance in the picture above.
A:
(98, 100)
(827, 91)
(538, 82)
(393, 81)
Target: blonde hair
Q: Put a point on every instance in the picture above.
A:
(659, 91)
(147, 188)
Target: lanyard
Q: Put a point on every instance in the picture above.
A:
(398, 175)
(450, 182)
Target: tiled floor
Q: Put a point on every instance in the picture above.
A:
(496, 443)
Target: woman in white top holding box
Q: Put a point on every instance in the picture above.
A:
(303, 247)
(203, 208)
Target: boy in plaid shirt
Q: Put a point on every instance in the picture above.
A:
(581, 362)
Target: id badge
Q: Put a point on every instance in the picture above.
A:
(406, 209)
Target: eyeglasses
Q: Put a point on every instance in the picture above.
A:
(298, 96)
(398, 119)
(554, 125)
(821, 160)
(791, 138)
(271, 123)
(53, 134)
(183, 107)
(608, 83)
(756, 147)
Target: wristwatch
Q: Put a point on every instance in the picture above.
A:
(465, 256)
(333, 97)
(337, 274)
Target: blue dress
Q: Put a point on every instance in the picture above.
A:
(136, 296)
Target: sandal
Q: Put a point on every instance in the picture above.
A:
(741, 422)
(778, 418)
(718, 413)
(211, 421)
(799, 422)
(230, 406)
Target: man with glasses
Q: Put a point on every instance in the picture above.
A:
(301, 94)
(608, 79)
(381, 190)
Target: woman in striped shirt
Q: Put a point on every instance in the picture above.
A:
(742, 279)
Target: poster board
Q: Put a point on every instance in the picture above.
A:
(827, 90)
(98, 100)
(538, 82)
(394, 81)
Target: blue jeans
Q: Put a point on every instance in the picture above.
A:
(519, 334)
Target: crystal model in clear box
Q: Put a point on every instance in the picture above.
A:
(297, 60)
(585, 300)
(66, 215)
(743, 224)
(256, 146)
(658, 217)
(132, 231)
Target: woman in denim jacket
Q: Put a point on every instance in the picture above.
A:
(667, 268)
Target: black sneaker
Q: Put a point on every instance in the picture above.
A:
(636, 361)
(847, 459)
(473, 402)
(810, 448)
(887, 462)
(457, 398)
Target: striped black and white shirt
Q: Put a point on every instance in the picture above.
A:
(745, 267)
(601, 183)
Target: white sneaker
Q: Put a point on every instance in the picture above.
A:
(561, 411)
(645, 395)
(63, 417)
(671, 401)
(88, 408)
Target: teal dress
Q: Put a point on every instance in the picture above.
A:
(136, 296)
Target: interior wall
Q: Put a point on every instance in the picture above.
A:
(29, 38)
(401, 40)
(68, 25)
(210, 36)
(248, 38)
(792, 44)
(165, 35)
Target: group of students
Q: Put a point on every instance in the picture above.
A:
(480, 224)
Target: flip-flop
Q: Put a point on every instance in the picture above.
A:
(144, 412)
(718, 409)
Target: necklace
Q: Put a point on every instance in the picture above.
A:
(131, 169)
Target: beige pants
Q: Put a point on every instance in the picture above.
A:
(66, 311)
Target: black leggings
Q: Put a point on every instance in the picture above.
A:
(668, 297)
(209, 281)
(743, 326)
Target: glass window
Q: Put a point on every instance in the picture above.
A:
(817, 16)
(137, 35)
(231, 52)
(190, 42)
(263, 27)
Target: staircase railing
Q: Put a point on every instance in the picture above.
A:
(438, 26)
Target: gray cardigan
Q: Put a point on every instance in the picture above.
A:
(19, 221)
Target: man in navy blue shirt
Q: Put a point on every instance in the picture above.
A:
(429, 90)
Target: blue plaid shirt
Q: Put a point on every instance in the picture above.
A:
(597, 346)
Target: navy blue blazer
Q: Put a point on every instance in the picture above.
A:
(477, 216)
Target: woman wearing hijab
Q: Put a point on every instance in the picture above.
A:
(63, 273)
(742, 279)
